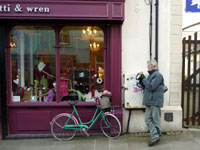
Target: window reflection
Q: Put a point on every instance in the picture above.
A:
(81, 62)
(32, 63)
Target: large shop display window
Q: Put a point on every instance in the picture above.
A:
(34, 69)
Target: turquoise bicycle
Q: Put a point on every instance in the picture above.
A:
(65, 126)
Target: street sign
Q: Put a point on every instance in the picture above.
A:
(192, 5)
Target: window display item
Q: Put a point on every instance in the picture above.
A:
(54, 84)
(88, 96)
(99, 80)
(45, 98)
(44, 85)
(16, 98)
(63, 86)
(20, 92)
(41, 66)
(80, 96)
(101, 72)
(16, 81)
(40, 95)
(42, 75)
(33, 99)
(51, 95)
(83, 79)
(107, 93)
(97, 93)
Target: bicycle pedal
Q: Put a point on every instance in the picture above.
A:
(85, 132)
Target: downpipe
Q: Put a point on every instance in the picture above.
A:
(156, 29)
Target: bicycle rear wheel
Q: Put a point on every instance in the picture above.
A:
(57, 129)
(110, 126)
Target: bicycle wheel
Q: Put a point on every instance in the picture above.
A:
(110, 126)
(57, 127)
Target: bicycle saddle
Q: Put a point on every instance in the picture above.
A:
(72, 102)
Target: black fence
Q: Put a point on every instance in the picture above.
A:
(191, 81)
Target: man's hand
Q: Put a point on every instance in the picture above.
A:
(141, 73)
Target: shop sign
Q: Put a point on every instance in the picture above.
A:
(101, 10)
(192, 5)
(19, 9)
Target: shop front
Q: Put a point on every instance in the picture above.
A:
(55, 52)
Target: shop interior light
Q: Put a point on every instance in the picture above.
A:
(91, 33)
(89, 30)
(13, 41)
(84, 31)
(95, 31)
(94, 47)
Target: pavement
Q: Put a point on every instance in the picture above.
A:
(184, 140)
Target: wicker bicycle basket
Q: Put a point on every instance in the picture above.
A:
(105, 102)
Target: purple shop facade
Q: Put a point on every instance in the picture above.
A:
(34, 118)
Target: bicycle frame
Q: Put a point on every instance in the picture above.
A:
(83, 124)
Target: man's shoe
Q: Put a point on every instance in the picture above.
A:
(154, 141)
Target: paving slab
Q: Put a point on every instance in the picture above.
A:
(187, 140)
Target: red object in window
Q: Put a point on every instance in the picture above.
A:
(92, 89)
(63, 86)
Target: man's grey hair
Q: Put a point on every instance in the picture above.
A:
(153, 62)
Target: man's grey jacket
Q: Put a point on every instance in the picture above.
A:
(153, 91)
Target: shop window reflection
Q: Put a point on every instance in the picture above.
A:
(82, 76)
(33, 64)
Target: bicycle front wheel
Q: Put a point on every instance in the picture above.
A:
(57, 129)
(110, 126)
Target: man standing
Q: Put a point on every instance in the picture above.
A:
(153, 100)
